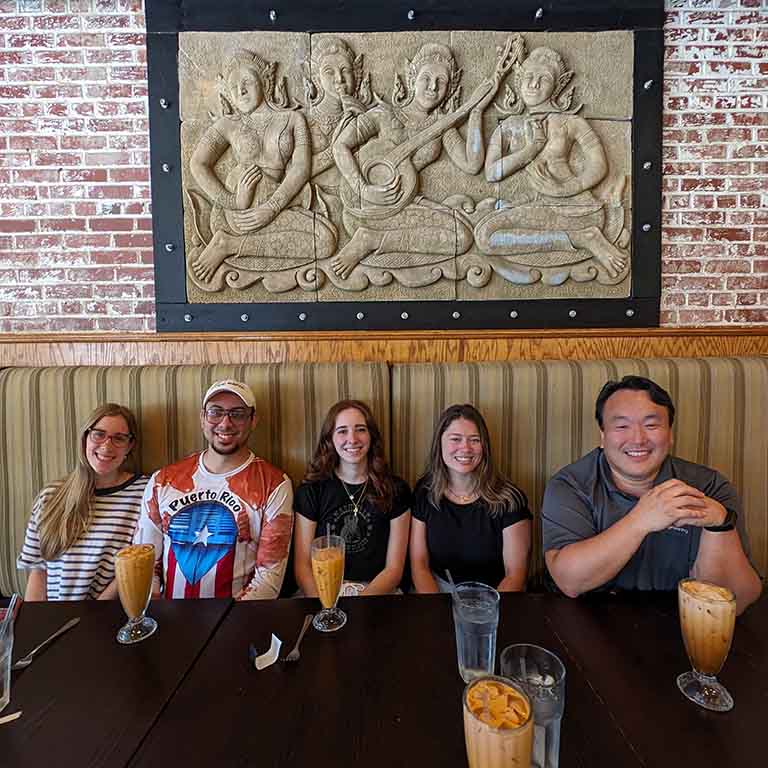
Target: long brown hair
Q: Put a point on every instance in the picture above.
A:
(495, 490)
(325, 459)
(66, 513)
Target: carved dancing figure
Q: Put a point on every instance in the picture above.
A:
(381, 152)
(554, 209)
(252, 208)
(336, 90)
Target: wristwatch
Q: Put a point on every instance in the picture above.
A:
(727, 524)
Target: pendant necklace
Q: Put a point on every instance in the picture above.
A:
(350, 495)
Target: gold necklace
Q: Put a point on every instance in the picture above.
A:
(350, 496)
(460, 498)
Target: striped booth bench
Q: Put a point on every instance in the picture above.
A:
(540, 415)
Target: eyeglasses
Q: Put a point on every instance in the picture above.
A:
(215, 415)
(119, 439)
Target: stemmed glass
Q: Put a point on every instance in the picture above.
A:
(707, 619)
(327, 555)
(134, 566)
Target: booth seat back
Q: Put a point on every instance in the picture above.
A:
(541, 417)
(42, 410)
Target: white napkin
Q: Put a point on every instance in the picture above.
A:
(270, 657)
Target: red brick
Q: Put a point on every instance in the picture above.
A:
(680, 267)
(117, 21)
(129, 174)
(119, 324)
(752, 283)
(704, 152)
(700, 316)
(136, 240)
(15, 91)
(17, 192)
(80, 40)
(36, 175)
(107, 158)
(729, 135)
(697, 299)
(746, 315)
(13, 23)
(84, 174)
(694, 218)
(727, 233)
(15, 57)
(39, 241)
(49, 21)
(709, 185)
(30, 41)
(667, 318)
(77, 241)
(722, 299)
(59, 57)
(746, 299)
(749, 118)
(704, 118)
(749, 150)
(111, 225)
(695, 283)
(110, 191)
(62, 225)
(58, 158)
(736, 184)
(83, 142)
(749, 52)
(727, 169)
(728, 266)
(59, 91)
(16, 225)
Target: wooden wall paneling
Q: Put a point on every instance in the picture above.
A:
(372, 346)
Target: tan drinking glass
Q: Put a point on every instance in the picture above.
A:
(134, 566)
(498, 724)
(327, 555)
(707, 619)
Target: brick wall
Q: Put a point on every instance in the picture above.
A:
(75, 227)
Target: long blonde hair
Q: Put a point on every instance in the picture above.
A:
(66, 514)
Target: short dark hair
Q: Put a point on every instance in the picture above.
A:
(657, 394)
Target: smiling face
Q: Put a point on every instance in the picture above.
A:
(227, 438)
(636, 438)
(431, 86)
(536, 83)
(106, 458)
(245, 89)
(336, 75)
(462, 447)
(351, 438)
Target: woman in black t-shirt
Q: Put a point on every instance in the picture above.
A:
(466, 517)
(349, 491)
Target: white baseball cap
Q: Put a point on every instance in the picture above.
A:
(243, 391)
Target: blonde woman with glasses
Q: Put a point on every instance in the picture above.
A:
(80, 522)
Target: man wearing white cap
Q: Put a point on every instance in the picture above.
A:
(220, 520)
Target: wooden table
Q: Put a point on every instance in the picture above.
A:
(88, 701)
(384, 691)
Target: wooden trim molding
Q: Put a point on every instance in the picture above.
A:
(378, 346)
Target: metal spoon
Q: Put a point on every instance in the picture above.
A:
(294, 654)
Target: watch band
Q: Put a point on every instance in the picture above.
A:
(727, 525)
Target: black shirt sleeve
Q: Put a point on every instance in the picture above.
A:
(516, 512)
(306, 501)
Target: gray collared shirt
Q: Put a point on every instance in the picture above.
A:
(582, 500)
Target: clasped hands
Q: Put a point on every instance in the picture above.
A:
(673, 504)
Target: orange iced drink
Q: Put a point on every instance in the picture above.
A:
(498, 724)
(707, 619)
(328, 570)
(134, 566)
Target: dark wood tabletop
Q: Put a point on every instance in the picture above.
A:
(87, 700)
(383, 691)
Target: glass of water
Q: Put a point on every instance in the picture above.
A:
(542, 676)
(475, 618)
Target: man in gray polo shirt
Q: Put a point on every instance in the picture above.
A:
(629, 516)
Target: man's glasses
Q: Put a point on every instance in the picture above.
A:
(119, 439)
(215, 415)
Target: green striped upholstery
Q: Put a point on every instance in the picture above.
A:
(42, 409)
(540, 415)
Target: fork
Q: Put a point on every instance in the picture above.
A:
(294, 655)
(25, 661)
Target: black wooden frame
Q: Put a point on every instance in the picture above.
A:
(167, 18)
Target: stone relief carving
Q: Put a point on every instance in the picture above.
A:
(294, 195)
